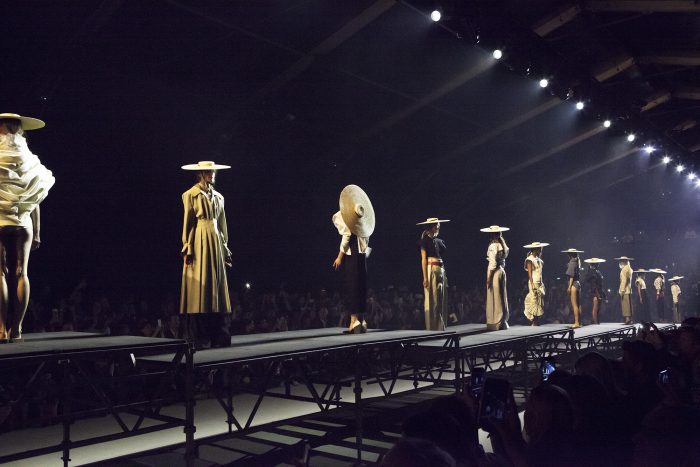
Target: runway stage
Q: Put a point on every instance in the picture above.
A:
(214, 395)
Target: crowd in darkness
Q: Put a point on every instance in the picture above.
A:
(640, 410)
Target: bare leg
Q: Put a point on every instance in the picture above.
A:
(4, 293)
(596, 308)
(575, 307)
(23, 246)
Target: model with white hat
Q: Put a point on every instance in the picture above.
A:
(642, 295)
(434, 277)
(24, 183)
(675, 296)
(625, 289)
(660, 296)
(594, 280)
(497, 313)
(205, 254)
(355, 222)
(573, 289)
(534, 300)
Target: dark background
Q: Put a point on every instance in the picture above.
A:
(131, 90)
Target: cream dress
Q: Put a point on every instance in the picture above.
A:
(205, 238)
(534, 300)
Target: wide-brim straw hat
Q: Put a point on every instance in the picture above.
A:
(433, 220)
(640, 271)
(27, 123)
(572, 250)
(357, 211)
(675, 278)
(536, 245)
(624, 258)
(205, 165)
(494, 229)
(594, 260)
(657, 271)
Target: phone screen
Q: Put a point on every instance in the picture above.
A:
(493, 399)
(663, 376)
(477, 381)
(547, 367)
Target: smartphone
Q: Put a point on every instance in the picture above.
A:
(547, 367)
(494, 398)
(663, 376)
(478, 375)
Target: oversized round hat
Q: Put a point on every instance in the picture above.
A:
(536, 245)
(625, 258)
(357, 211)
(675, 278)
(433, 220)
(594, 260)
(657, 271)
(638, 271)
(572, 250)
(205, 165)
(494, 229)
(28, 123)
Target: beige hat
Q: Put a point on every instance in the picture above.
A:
(536, 245)
(657, 271)
(675, 278)
(28, 123)
(594, 260)
(624, 258)
(494, 229)
(640, 271)
(433, 220)
(205, 165)
(357, 211)
(572, 250)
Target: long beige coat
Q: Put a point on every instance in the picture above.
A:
(204, 236)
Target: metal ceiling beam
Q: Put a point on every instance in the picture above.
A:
(687, 93)
(673, 58)
(686, 125)
(644, 6)
(656, 100)
(556, 20)
(612, 67)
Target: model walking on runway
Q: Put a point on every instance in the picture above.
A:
(24, 183)
(660, 296)
(625, 289)
(534, 300)
(497, 313)
(594, 280)
(573, 289)
(434, 277)
(676, 296)
(642, 296)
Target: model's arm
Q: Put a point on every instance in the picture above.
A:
(491, 257)
(223, 230)
(338, 260)
(187, 229)
(424, 267)
(36, 224)
(529, 275)
(639, 292)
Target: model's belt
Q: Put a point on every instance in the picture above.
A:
(206, 221)
(435, 263)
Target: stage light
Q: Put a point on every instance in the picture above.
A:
(680, 168)
(436, 15)
(497, 54)
(697, 183)
(247, 285)
(544, 82)
(691, 176)
(666, 159)
(630, 137)
(607, 123)
(649, 149)
(579, 105)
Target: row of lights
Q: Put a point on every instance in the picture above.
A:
(436, 15)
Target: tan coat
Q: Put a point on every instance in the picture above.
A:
(205, 238)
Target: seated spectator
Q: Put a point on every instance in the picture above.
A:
(417, 453)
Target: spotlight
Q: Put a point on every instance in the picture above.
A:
(544, 83)
(630, 137)
(697, 183)
(607, 123)
(680, 168)
(497, 54)
(666, 160)
(579, 105)
(649, 149)
(247, 285)
(436, 15)
(691, 176)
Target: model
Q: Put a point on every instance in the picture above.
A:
(434, 278)
(642, 296)
(625, 289)
(675, 296)
(660, 296)
(534, 300)
(573, 288)
(594, 280)
(205, 255)
(355, 223)
(24, 184)
(496, 292)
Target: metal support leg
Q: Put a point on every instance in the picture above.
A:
(358, 407)
(190, 427)
(65, 444)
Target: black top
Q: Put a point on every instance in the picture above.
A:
(433, 246)
(572, 269)
(594, 280)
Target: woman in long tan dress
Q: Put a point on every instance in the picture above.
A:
(205, 253)
(24, 183)
(497, 312)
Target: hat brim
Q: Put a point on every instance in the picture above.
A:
(27, 123)
(572, 251)
(205, 167)
(624, 258)
(594, 260)
(536, 245)
(658, 271)
(351, 196)
(436, 221)
(675, 278)
(494, 230)
(640, 271)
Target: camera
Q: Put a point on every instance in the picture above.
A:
(494, 398)
(547, 367)
(664, 376)
(478, 375)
